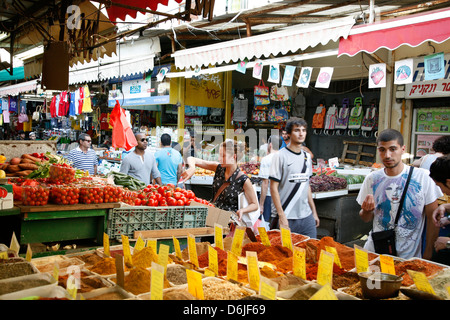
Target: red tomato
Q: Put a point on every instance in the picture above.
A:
(162, 203)
(137, 202)
(178, 189)
(171, 201)
(152, 203)
(180, 203)
(170, 185)
(168, 194)
(177, 195)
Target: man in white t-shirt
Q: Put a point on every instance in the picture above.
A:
(380, 195)
(265, 200)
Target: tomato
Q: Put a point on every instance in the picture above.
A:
(170, 185)
(180, 203)
(190, 194)
(178, 189)
(137, 202)
(171, 201)
(163, 203)
(152, 203)
(187, 202)
(168, 194)
(177, 195)
(141, 196)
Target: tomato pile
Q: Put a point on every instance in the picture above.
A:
(64, 194)
(168, 195)
(112, 194)
(91, 194)
(35, 195)
(62, 173)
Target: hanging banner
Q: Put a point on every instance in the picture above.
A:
(377, 75)
(288, 76)
(242, 66)
(274, 73)
(257, 69)
(140, 92)
(324, 77)
(403, 71)
(420, 88)
(305, 77)
(434, 66)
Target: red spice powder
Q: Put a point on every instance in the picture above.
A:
(415, 265)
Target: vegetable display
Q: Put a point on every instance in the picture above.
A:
(126, 181)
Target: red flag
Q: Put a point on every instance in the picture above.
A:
(122, 134)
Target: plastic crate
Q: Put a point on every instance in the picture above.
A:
(125, 221)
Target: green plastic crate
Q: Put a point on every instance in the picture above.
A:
(125, 221)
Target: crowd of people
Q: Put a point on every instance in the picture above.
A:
(286, 199)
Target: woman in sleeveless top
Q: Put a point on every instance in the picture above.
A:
(229, 180)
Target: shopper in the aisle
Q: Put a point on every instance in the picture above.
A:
(168, 161)
(293, 205)
(441, 147)
(229, 180)
(84, 157)
(265, 199)
(140, 163)
(440, 173)
(380, 196)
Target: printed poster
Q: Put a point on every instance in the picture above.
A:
(257, 69)
(288, 76)
(305, 77)
(403, 71)
(274, 73)
(434, 66)
(242, 66)
(324, 77)
(377, 75)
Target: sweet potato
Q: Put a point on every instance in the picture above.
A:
(14, 161)
(24, 160)
(23, 173)
(28, 166)
(13, 168)
(11, 175)
(4, 166)
(29, 156)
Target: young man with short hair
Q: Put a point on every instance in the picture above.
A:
(289, 183)
(168, 161)
(380, 196)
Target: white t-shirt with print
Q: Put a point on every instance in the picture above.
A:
(264, 169)
(387, 192)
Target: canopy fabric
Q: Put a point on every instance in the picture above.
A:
(16, 89)
(290, 39)
(18, 74)
(118, 12)
(393, 33)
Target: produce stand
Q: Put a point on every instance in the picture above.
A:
(58, 223)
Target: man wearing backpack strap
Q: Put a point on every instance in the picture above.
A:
(291, 168)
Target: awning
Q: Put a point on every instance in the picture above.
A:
(18, 74)
(16, 89)
(290, 39)
(119, 12)
(393, 33)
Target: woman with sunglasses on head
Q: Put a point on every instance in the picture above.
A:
(141, 164)
(229, 180)
(84, 157)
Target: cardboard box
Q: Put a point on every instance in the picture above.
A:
(215, 215)
(6, 196)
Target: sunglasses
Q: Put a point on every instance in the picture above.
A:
(87, 140)
(144, 139)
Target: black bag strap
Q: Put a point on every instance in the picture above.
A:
(402, 199)
(297, 185)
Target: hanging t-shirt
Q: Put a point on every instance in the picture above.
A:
(12, 104)
(80, 100)
(6, 116)
(72, 109)
(387, 191)
(87, 100)
(53, 107)
(104, 125)
(5, 104)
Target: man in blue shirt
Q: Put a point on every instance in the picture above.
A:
(169, 161)
(84, 157)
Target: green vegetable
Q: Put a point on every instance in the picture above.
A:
(127, 181)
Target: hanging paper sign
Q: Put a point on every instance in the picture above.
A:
(403, 71)
(324, 77)
(257, 69)
(305, 77)
(242, 66)
(274, 73)
(162, 74)
(434, 66)
(288, 76)
(377, 75)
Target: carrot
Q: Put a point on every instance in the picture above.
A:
(29, 156)
(28, 166)
(13, 168)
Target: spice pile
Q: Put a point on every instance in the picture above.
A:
(223, 290)
(10, 270)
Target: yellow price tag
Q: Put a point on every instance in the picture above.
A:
(139, 245)
(387, 264)
(324, 293)
(238, 238)
(218, 236)
(264, 237)
(29, 253)
(268, 288)
(4, 255)
(126, 250)
(299, 264)
(286, 238)
(56, 271)
(325, 268)
(232, 266)
(14, 245)
(176, 245)
(209, 273)
(192, 248)
(106, 245)
(421, 281)
(336, 255)
(195, 286)
(163, 256)
(71, 287)
(152, 243)
(213, 260)
(156, 282)
(361, 259)
(253, 270)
